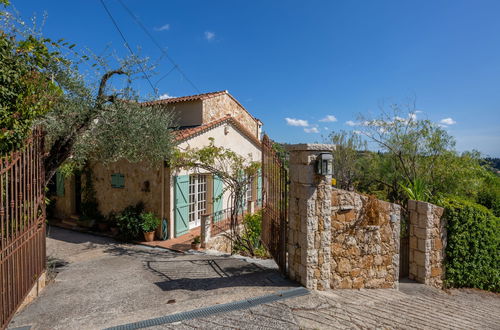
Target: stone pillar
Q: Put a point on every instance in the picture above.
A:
(251, 207)
(205, 230)
(427, 243)
(309, 220)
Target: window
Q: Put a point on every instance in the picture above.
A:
(117, 180)
(197, 198)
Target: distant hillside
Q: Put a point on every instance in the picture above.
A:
(495, 162)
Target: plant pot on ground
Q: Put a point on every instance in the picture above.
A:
(196, 243)
(149, 224)
(103, 226)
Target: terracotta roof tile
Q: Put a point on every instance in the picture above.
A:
(184, 134)
(203, 96)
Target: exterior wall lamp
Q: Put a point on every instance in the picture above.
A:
(324, 164)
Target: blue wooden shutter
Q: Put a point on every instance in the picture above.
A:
(59, 184)
(181, 204)
(259, 188)
(218, 198)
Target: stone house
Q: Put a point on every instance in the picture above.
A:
(179, 197)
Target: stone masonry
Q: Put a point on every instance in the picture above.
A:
(365, 242)
(427, 243)
(309, 219)
(337, 239)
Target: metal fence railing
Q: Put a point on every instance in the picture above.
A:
(22, 224)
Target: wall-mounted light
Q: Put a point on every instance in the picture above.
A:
(324, 164)
(226, 130)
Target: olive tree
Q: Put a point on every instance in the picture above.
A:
(85, 103)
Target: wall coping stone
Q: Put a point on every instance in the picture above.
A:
(310, 147)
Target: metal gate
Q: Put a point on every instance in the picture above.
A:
(404, 247)
(275, 203)
(22, 224)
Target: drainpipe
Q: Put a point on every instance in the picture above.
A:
(162, 230)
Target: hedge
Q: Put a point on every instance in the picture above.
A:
(472, 251)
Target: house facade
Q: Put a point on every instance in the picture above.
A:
(178, 196)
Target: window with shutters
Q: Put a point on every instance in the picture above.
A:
(117, 180)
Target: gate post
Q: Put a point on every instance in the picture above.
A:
(309, 220)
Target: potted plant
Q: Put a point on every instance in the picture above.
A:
(103, 225)
(149, 224)
(195, 244)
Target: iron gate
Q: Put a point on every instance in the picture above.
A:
(22, 224)
(275, 203)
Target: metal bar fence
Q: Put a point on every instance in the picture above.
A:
(275, 203)
(22, 224)
(220, 221)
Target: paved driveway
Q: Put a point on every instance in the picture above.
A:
(106, 284)
(414, 306)
(103, 283)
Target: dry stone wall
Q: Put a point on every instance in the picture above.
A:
(427, 243)
(337, 239)
(365, 242)
(217, 107)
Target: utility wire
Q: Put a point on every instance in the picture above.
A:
(128, 46)
(157, 44)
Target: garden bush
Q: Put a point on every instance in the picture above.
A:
(472, 251)
(129, 221)
(251, 236)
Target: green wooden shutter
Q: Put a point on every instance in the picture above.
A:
(218, 198)
(181, 204)
(259, 188)
(117, 180)
(59, 184)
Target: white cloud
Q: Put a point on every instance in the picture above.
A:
(311, 130)
(165, 96)
(209, 35)
(413, 115)
(296, 122)
(448, 121)
(329, 119)
(351, 123)
(164, 27)
(326, 128)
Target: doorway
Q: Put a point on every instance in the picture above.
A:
(197, 198)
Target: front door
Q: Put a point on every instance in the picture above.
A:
(197, 199)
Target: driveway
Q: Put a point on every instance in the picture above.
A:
(414, 306)
(103, 283)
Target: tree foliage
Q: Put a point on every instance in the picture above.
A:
(93, 116)
(349, 147)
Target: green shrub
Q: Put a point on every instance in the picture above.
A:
(129, 221)
(251, 236)
(472, 251)
(149, 222)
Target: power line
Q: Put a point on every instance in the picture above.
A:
(157, 44)
(128, 46)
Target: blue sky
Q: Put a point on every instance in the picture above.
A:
(305, 60)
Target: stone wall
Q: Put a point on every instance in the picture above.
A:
(427, 243)
(365, 242)
(219, 106)
(309, 218)
(336, 238)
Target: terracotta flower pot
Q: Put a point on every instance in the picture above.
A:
(149, 236)
(103, 226)
(195, 246)
(114, 231)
